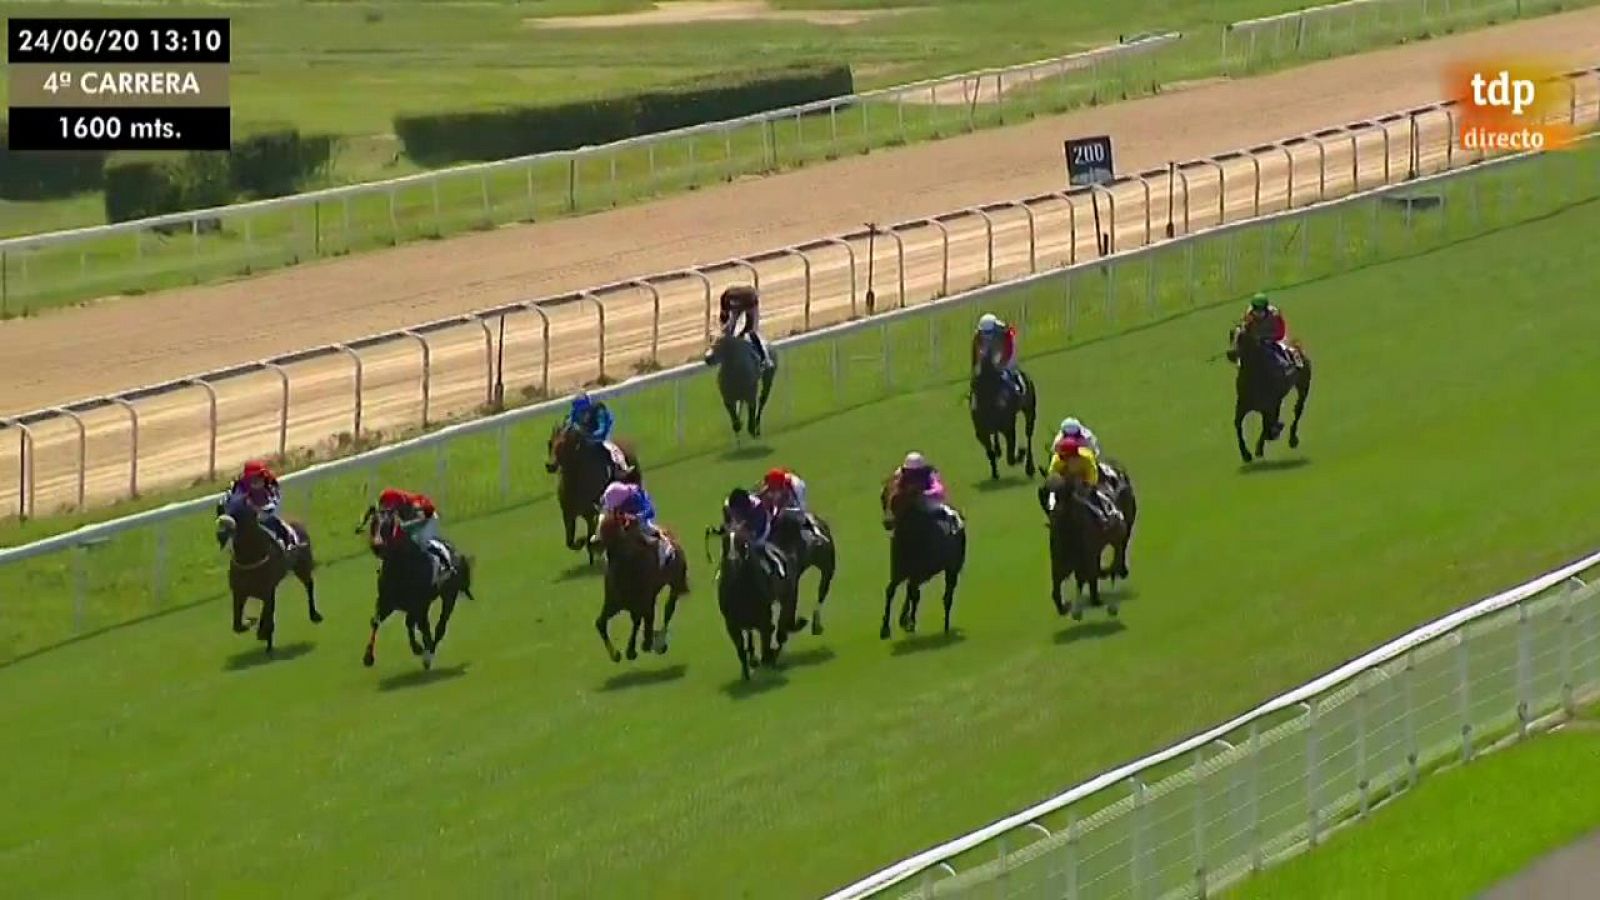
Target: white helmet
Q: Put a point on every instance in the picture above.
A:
(988, 323)
(914, 460)
(1070, 425)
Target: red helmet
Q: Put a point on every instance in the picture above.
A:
(254, 467)
(391, 498)
(776, 479)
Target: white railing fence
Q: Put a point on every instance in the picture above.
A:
(1332, 29)
(1198, 816)
(192, 428)
(206, 244)
(109, 574)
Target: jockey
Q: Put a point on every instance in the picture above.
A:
(996, 338)
(915, 472)
(1077, 464)
(419, 519)
(1072, 428)
(749, 514)
(742, 300)
(1263, 322)
(782, 489)
(258, 486)
(590, 418)
(621, 498)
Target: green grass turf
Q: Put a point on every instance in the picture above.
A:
(403, 56)
(1509, 808)
(162, 757)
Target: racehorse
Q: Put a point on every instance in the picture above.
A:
(747, 592)
(585, 470)
(405, 584)
(920, 547)
(741, 379)
(1079, 538)
(635, 576)
(259, 563)
(1262, 383)
(816, 552)
(994, 406)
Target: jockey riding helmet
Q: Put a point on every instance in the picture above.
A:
(914, 460)
(989, 323)
(391, 498)
(776, 479)
(616, 493)
(1071, 426)
(582, 403)
(1259, 302)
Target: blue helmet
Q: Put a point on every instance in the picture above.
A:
(582, 404)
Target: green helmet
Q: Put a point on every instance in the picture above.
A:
(1260, 302)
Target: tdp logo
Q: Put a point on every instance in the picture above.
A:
(1503, 91)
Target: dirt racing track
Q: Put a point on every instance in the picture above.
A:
(952, 235)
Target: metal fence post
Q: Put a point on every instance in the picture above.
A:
(1313, 819)
(1199, 827)
(1408, 685)
(1254, 805)
(1524, 660)
(1464, 694)
(1361, 744)
(1568, 601)
(1071, 874)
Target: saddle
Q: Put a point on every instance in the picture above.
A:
(443, 558)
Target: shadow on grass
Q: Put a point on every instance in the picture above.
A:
(746, 451)
(420, 677)
(581, 570)
(919, 643)
(644, 677)
(1004, 483)
(799, 659)
(257, 655)
(1088, 631)
(1273, 465)
(761, 681)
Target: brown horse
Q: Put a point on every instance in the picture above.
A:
(259, 563)
(1079, 538)
(635, 576)
(585, 470)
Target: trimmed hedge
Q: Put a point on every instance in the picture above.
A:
(436, 139)
(268, 163)
(40, 175)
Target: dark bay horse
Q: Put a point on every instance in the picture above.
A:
(634, 578)
(741, 380)
(1262, 383)
(808, 541)
(406, 585)
(1079, 538)
(585, 470)
(748, 595)
(259, 562)
(921, 545)
(994, 406)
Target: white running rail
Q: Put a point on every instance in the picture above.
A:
(1203, 813)
(191, 428)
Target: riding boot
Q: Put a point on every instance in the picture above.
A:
(761, 350)
(441, 563)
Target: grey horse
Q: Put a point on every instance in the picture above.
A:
(742, 380)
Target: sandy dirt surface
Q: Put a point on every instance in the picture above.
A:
(111, 346)
(692, 12)
(1572, 873)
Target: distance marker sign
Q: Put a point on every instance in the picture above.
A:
(1089, 161)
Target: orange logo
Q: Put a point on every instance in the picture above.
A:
(1511, 107)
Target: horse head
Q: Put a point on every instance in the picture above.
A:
(233, 514)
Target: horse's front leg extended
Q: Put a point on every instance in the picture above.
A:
(429, 646)
(269, 619)
(732, 406)
(1302, 391)
(1239, 412)
(633, 634)
(1012, 456)
(371, 656)
(888, 605)
(908, 609)
(240, 626)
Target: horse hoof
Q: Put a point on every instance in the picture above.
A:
(240, 628)
(367, 659)
(616, 657)
(633, 654)
(1112, 611)
(316, 618)
(1077, 615)
(799, 625)
(1294, 441)
(883, 633)
(427, 661)
(816, 626)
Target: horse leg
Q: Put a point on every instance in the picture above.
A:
(447, 608)
(739, 648)
(591, 522)
(825, 567)
(732, 406)
(908, 610)
(302, 572)
(951, 578)
(601, 621)
(888, 604)
(269, 616)
(1239, 412)
(240, 626)
(752, 411)
(633, 634)
(650, 633)
(1057, 576)
(1302, 390)
(429, 645)
(761, 403)
(570, 522)
(1029, 419)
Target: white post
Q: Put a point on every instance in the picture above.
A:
(1136, 870)
(1254, 828)
(1524, 713)
(1568, 601)
(1409, 686)
(1312, 750)
(1464, 694)
(1071, 892)
(1199, 827)
(1361, 744)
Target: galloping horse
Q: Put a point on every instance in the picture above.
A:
(1079, 537)
(747, 594)
(920, 547)
(585, 471)
(405, 584)
(994, 406)
(815, 552)
(635, 576)
(259, 563)
(1262, 383)
(741, 380)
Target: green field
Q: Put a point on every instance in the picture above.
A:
(1510, 808)
(162, 757)
(399, 57)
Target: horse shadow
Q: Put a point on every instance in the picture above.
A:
(419, 677)
(761, 681)
(644, 677)
(256, 656)
(580, 571)
(919, 643)
(744, 452)
(1088, 631)
(1273, 465)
